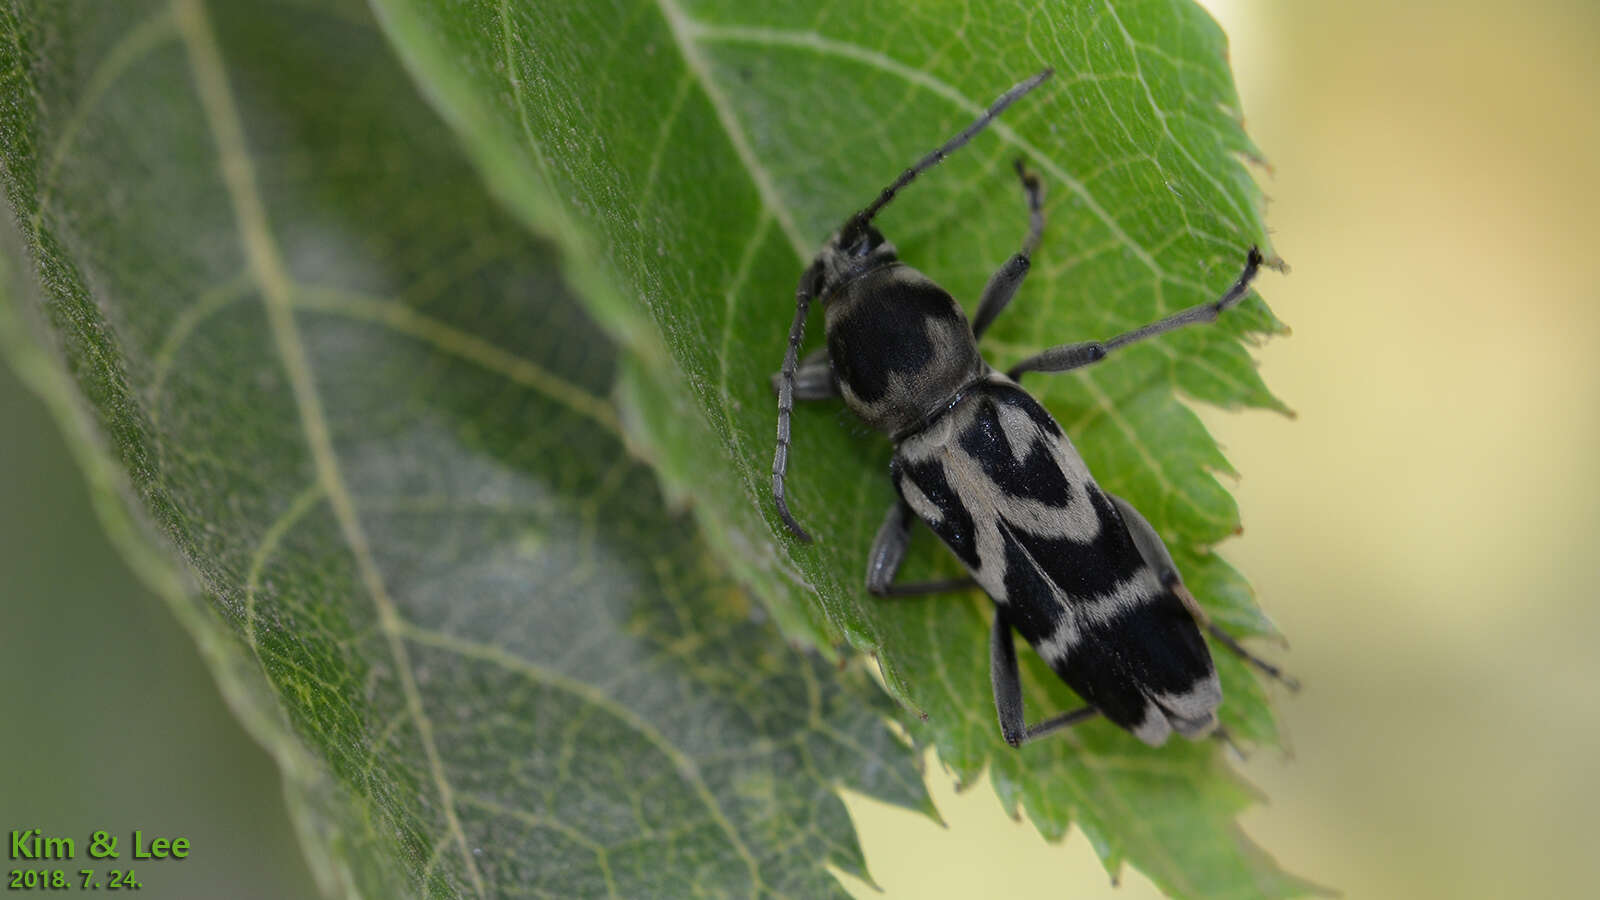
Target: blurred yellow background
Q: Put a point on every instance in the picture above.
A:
(1423, 532)
(1427, 533)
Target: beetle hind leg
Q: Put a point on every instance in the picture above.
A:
(1222, 637)
(1007, 684)
(1155, 555)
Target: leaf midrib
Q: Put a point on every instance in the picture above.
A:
(270, 274)
(282, 296)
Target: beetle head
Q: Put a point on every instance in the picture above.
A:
(855, 249)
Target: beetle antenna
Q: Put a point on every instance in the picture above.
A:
(860, 219)
(803, 292)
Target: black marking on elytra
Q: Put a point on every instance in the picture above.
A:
(1031, 604)
(1153, 648)
(1086, 569)
(1099, 674)
(956, 527)
(1036, 476)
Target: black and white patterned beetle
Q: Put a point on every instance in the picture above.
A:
(1083, 577)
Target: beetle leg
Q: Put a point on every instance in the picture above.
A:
(1007, 683)
(1073, 356)
(1004, 283)
(813, 378)
(889, 551)
(1156, 556)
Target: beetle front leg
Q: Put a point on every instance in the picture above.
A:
(1004, 283)
(813, 378)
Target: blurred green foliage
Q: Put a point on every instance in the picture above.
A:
(112, 721)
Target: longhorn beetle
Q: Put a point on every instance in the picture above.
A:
(1076, 570)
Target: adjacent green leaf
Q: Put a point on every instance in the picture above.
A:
(305, 351)
(689, 155)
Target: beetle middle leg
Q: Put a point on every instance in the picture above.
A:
(1003, 284)
(889, 551)
(1073, 356)
(883, 563)
(1155, 555)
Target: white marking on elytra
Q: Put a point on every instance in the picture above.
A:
(1021, 432)
(1129, 594)
(1077, 522)
(991, 507)
(1193, 712)
(1154, 729)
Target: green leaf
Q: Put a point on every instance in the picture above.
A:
(342, 411)
(688, 156)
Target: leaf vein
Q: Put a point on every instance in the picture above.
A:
(269, 270)
(183, 326)
(1161, 116)
(684, 765)
(517, 369)
(684, 32)
(296, 510)
(811, 40)
(556, 825)
(663, 136)
(130, 48)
